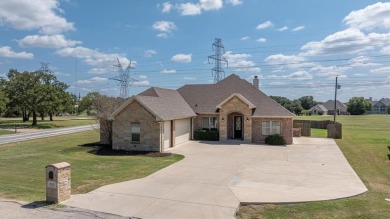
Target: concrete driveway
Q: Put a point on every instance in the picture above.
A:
(215, 178)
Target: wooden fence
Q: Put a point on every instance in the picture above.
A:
(334, 128)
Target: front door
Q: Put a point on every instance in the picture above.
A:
(237, 127)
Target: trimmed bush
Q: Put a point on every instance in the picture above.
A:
(206, 135)
(275, 140)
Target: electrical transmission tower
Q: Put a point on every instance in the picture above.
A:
(124, 79)
(218, 72)
(45, 68)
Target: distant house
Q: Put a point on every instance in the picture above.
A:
(158, 118)
(379, 106)
(327, 108)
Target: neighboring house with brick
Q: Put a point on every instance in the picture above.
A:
(379, 106)
(327, 108)
(159, 118)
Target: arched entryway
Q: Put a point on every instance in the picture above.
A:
(235, 126)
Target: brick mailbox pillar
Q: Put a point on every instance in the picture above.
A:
(58, 182)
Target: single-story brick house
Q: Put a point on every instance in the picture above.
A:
(159, 118)
(327, 108)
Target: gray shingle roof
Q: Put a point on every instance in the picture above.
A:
(329, 105)
(385, 101)
(165, 104)
(203, 98)
(319, 107)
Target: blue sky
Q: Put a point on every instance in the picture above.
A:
(295, 47)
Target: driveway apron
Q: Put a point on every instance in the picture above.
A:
(214, 178)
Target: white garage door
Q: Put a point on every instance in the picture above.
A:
(182, 130)
(167, 134)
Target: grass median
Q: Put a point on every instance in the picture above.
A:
(22, 169)
(366, 145)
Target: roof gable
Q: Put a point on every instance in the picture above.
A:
(239, 96)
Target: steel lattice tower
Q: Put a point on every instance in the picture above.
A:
(124, 79)
(218, 72)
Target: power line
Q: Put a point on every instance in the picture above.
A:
(124, 79)
(218, 72)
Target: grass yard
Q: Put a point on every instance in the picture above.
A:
(319, 133)
(59, 122)
(366, 145)
(22, 165)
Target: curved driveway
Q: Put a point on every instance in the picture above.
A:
(215, 178)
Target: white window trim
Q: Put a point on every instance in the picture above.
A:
(209, 127)
(270, 129)
(131, 130)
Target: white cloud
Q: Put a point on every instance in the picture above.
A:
(166, 7)
(144, 83)
(184, 58)
(208, 5)
(101, 62)
(165, 27)
(372, 16)
(142, 77)
(362, 61)
(347, 41)
(92, 80)
(234, 2)
(7, 52)
(261, 40)
(385, 50)
(299, 75)
(168, 71)
(188, 9)
(150, 52)
(245, 38)
(283, 29)
(264, 25)
(382, 70)
(241, 63)
(34, 14)
(47, 41)
(298, 28)
(330, 71)
(280, 59)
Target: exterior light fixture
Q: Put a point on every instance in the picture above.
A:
(247, 119)
(223, 119)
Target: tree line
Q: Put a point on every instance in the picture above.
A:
(34, 94)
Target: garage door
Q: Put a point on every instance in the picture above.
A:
(182, 130)
(167, 134)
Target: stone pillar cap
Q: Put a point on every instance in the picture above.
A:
(59, 165)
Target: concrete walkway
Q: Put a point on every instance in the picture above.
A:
(214, 178)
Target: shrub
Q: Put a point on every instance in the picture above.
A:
(275, 140)
(206, 135)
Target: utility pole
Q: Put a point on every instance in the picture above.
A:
(337, 86)
(45, 67)
(218, 71)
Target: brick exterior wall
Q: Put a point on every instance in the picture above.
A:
(233, 106)
(150, 129)
(198, 121)
(286, 129)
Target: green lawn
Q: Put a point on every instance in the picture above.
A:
(22, 165)
(59, 122)
(319, 133)
(365, 145)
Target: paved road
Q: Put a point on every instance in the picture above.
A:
(4, 139)
(214, 179)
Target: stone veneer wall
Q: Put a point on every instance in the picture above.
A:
(286, 129)
(150, 129)
(235, 105)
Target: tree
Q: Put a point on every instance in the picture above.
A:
(358, 106)
(285, 102)
(34, 92)
(295, 107)
(3, 98)
(87, 103)
(307, 102)
(104, 106)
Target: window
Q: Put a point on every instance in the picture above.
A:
(135, 133)
(209, 123)
(270, 127)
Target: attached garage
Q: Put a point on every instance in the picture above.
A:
(182, 130)
(167, 134)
